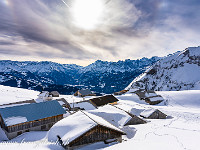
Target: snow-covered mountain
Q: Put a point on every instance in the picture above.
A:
(179, 71)
(101, 76)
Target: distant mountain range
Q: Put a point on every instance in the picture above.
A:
(100, 76)
(179, 71)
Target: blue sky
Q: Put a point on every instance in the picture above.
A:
(71, 31)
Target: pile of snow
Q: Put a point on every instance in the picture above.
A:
(11, 94)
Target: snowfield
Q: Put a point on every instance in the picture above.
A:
(180, 131)
(11, 94)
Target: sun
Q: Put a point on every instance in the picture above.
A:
(87, 13)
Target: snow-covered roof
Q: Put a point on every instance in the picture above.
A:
(157, 98)
(149, 94)
(85, 91)
(30, 112)
(75, 125)
(147, 112)
(85, 105)
(44, 94)
(112, 114)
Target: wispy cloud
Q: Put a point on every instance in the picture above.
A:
(44, 29)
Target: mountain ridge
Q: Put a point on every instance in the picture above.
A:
(100, 76)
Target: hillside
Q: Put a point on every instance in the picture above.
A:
(179, 71)
(11, 94)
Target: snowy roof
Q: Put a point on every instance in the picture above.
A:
(30, 112)
(148, 112)
(100, 101)
(156, 98)
(44, 94)
(85, 105)
(76, 125)
(113, 115)
(85, 91)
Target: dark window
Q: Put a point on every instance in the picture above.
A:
(43, 127)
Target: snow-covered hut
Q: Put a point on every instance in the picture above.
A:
(117, 116)
(45, 96)
(153, 100)
(30, 117)
(103, 100)
(83, 93)
(54, 93)
(153, 114)
(83, 128)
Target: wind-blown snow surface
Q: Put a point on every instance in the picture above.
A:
(180, 71)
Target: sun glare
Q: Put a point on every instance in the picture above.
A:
(87, 13)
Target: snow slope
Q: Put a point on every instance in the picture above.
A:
(179, 71)
(11, 94)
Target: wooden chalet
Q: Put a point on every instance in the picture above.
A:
(83, 128)
(154, 100)
(84, 92)
(103, 100)
(149, 96)
(117, 116)
(153, 114)
(30, 117)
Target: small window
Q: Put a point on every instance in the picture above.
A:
(43, 127)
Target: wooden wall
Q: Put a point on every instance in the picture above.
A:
(28, 125)
(96, 134)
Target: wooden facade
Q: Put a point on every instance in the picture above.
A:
(96, 134)
(38, 125)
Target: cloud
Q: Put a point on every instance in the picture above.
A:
(128, 29)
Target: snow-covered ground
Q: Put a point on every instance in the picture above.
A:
(181, 129)
(11, 94)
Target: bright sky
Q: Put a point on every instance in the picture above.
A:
(82, 31)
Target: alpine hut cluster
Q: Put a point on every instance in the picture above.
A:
(74, 124)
